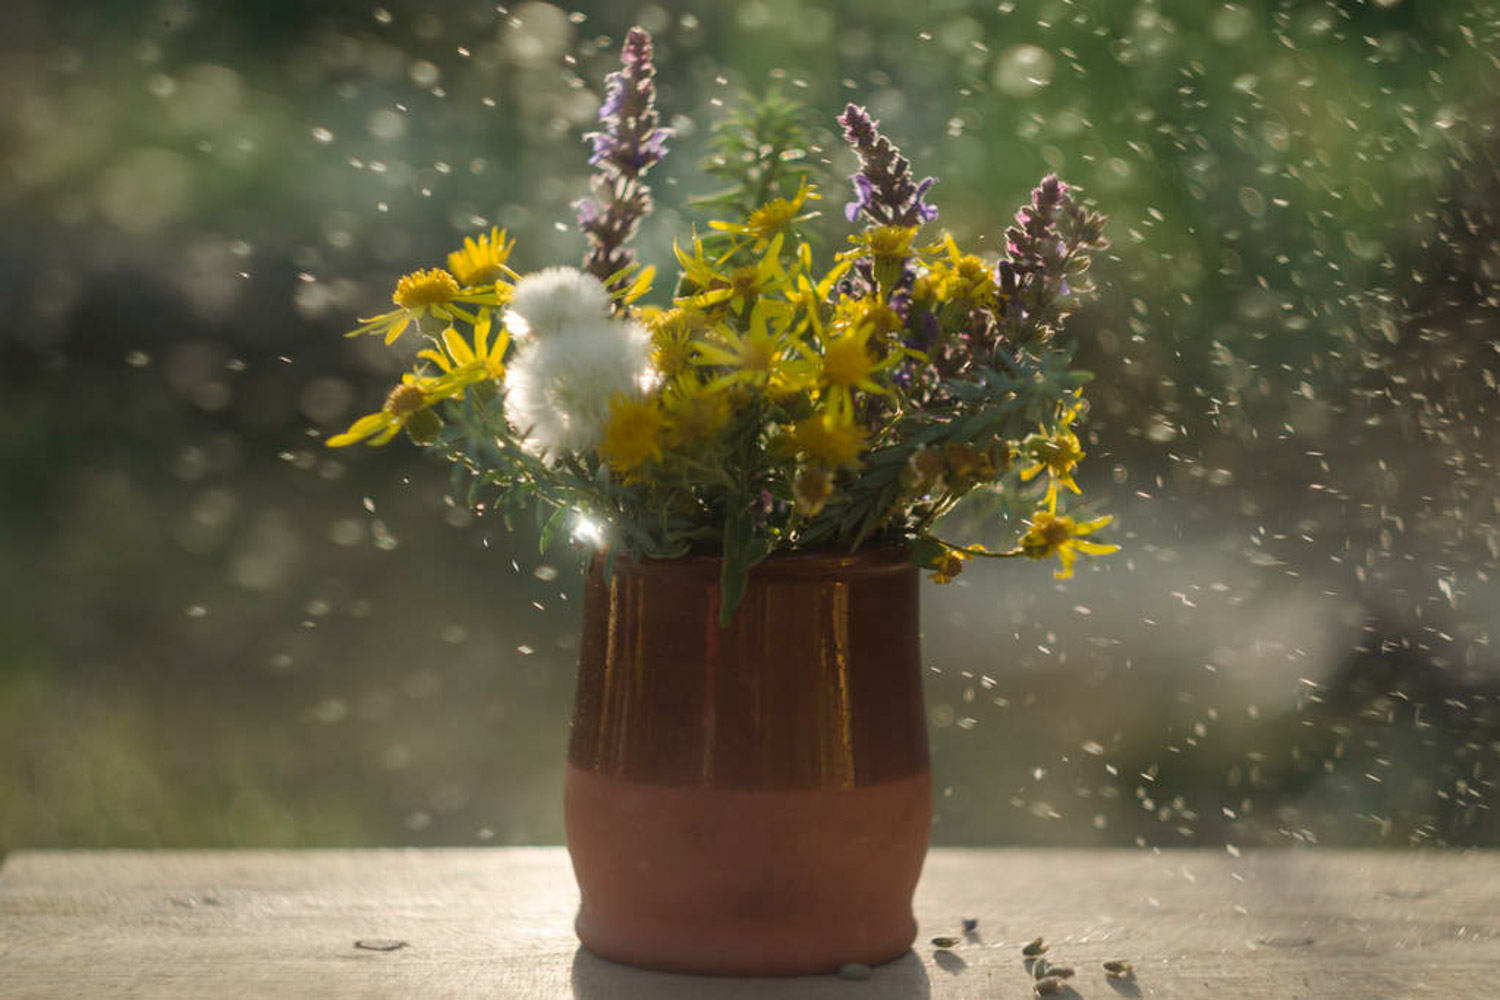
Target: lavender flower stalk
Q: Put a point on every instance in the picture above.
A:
(1045, 272)
(883, 187)
(630, 143)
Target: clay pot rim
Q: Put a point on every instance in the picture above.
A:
(868, 561)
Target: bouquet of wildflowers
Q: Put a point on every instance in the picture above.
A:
(780, 402)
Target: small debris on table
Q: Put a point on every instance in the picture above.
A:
(971, 924)
(379, 944)
(1035, 948)
(855, 970)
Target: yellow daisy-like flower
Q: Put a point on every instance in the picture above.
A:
(1056, 452)
(829, 439)
(888, 247)
(409, 406)
(695, 412)
(632, 433)
(948, 564)
(871, 311)
(763, 356)
(772, 219)
(673, 332)
(422, 293)
(482, 261)
(471, 364)
(425, 289)
(960, 278)
(809, 300)
(847, 364)
(883, 241)
(1052, 534)
(718, 288)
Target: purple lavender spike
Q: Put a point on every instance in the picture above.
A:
(883, 187)
(1042, 275)
(630, 142)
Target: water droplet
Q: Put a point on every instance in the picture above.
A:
(1022, 70)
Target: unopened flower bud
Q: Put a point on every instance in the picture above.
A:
(424, 426)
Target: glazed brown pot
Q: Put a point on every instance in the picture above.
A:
(753, 799)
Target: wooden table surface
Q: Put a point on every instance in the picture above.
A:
(496, 923)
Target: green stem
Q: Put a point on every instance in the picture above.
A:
(973, 551)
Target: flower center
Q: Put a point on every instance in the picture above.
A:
(890, 241)
(404, 400)
(771, 217)
(744, 280)
(425, 288)
(757, 354)
(1055, 534)
(846, 362)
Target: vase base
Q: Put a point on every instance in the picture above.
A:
(746, 883)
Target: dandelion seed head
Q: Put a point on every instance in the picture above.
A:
(557, 299)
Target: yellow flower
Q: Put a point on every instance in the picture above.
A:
(807, 299)
(763, 356)
(695, 412)
(471, 364)
(482, 261)
(847, 364)
(772, 219)
(716, 288)
(871, 311)
(1050, 534)
(888, 247)
(421, 293)
(672, 335)
(830, 439)
(408, 405)
(1056, 452)
(949, 563)
(632, 432)
(883, 241)
(957, 285)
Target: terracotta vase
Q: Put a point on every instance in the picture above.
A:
(753, 799)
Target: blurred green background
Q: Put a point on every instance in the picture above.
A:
(215, 632)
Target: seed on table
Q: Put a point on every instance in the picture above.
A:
(1118, 968)
(1051, 984)
(1034, 948)
(944, 942)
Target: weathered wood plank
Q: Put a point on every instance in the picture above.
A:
(497, 923)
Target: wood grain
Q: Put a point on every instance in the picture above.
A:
(496, 923)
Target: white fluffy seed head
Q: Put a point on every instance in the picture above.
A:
(555, 300)
(559, 387)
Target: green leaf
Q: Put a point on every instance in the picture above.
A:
(743, 548)
(550, 528)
